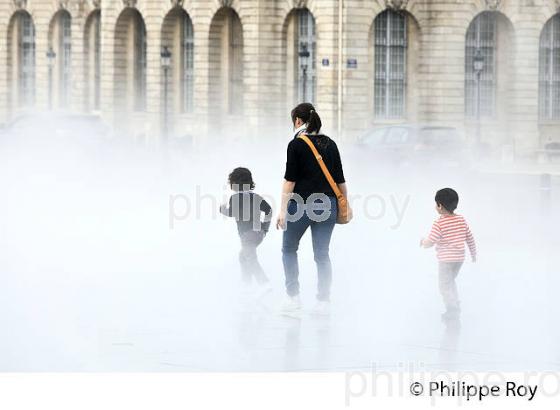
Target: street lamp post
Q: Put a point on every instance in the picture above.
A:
(166, 65)
(51, 55)
(304, 56)
(478, 66)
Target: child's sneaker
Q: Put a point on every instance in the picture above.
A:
(245, 290)
(451, 315)
(322, 308)
(263, 290)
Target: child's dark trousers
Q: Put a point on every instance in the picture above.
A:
(250, 266)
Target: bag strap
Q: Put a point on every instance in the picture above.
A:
(322, 164)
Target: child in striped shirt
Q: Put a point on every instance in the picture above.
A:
(449, 234)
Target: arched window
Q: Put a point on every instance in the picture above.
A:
(390, 51)
(187, 64)
(130, 62)
(549, 70)
(480, 83)
(21, 60)
(307, 48)
(177, 38)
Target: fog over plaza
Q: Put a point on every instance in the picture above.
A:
(95, 279)
(121, 120)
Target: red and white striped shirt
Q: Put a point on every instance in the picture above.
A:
(449, 233)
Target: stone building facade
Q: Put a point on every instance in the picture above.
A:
(236, 67)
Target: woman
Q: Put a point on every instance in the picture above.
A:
(308, 201)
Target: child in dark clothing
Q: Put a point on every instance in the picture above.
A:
(246, 207)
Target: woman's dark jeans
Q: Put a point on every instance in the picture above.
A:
(321, 237)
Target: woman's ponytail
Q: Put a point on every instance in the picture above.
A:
(314, 123)
(306, 112)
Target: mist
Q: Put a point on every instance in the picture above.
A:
(94, 277)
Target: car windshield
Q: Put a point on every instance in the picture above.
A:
(397, 135)
(59, 125)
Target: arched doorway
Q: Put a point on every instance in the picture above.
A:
(21, 60)
(225, 66)
(130, 59)
(92, 61)
(300, 47)
(178, 36)
(60, 43)
(488, 47)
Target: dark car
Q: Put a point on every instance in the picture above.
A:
(50, 138)
(414, 144)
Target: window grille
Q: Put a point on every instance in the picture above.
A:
(481, 38)
(306, 42)
(26, 60)
(391, 45)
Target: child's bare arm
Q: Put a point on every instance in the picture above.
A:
(226, 209)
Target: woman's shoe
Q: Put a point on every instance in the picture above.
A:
(292, 304)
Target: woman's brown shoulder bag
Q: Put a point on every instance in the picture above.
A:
(344, 211)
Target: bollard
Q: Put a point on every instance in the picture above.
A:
(545, 189)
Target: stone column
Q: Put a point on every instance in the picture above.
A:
(326, 20)
(109, 14)
(442, 62)
(525, 86)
